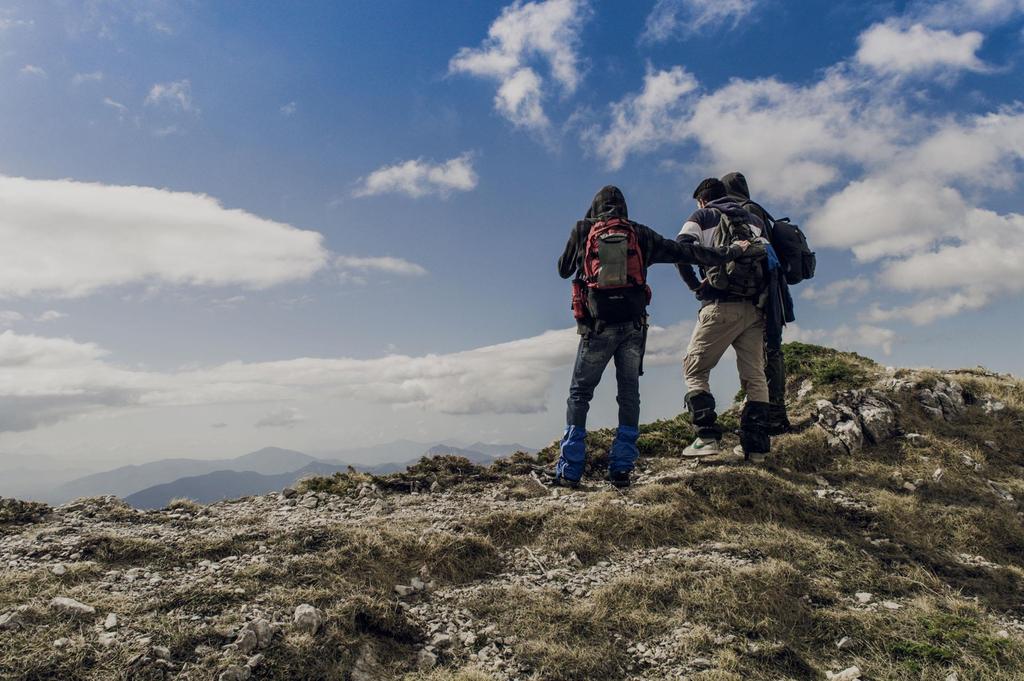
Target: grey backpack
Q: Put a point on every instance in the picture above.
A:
(744, 277)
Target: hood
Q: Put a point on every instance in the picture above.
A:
(608, 203)
(736, 185)
(728, 205)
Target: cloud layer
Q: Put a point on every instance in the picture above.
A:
(46, 380)
(74, 238)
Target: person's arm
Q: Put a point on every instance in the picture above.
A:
(569, 261)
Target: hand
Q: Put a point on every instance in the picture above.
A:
(743, 245)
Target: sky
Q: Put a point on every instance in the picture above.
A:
(325, 225)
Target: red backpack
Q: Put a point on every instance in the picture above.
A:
(613, 274)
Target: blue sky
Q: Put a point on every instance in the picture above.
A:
(330, 224)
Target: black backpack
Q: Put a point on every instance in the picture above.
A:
(797, 259)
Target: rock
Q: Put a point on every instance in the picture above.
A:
(863, 597)
(952, 676)
(877, 419)
(59, 570)
(937, 475)
(805, 389)
(69, 606)
(264, 631)
(702, 663)
(110, 622)
(307, 619)
(246, 642)
(161, 652)
(402, 590)
(254, 661)
(288, 493)
(61, 643)
(235, 673)
(417, 584)
(106, 639)
(426, 660)
(435, 487)
(11, 620)
(367, 668)
(309, 502)
(1002, 633)
(848, 674)
(891, 605)
(844, 643)
(441, 640)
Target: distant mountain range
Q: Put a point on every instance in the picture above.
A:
(155, 484)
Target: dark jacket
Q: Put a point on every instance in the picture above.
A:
(779, 309)
(610, 203)
(707, 218)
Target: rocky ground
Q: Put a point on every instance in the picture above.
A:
(882, 541)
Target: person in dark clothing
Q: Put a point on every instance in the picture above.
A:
(602, 340)
(778, 312)
(727, 318)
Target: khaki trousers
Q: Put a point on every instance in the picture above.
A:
(720, 325)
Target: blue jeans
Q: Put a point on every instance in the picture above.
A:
(624, 343)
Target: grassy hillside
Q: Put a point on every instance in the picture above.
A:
(886, 535)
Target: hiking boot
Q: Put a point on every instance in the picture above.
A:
(619, 479)
(559, 481)
(752, 457)
(701, 447)
(777, 422)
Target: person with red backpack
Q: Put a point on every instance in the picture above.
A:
(608, 254)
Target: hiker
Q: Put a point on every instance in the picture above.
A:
(732, 300)
(608, 255)
(778, 309)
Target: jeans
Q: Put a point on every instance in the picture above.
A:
(624, 343)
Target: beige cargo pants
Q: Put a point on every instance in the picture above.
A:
(720, 325)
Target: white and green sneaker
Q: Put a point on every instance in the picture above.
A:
(752, 457)
(702, 447)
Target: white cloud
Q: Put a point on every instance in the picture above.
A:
(418, 178)
(672, 18)
(82, 78)
(75, 238)
(33, 71)
(289, 109)
(526, 33)
(966, 13)
(287, 417)
(646, 121)
(46, 380)
(862, 338)
(913, 218)
(50, 316)
(385, 265)
(176, 94)
(9, 317)
(120, 108)
(844, 290)
(891, 48)
(796, 138)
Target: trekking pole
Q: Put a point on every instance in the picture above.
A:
(643, 343)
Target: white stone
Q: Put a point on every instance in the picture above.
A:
(62, 643)
(844, 643)
(110, 622)
(307, 619)
(69, 606)
(235, 673)
(863, 597)
(59, 570)
(848, 674)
